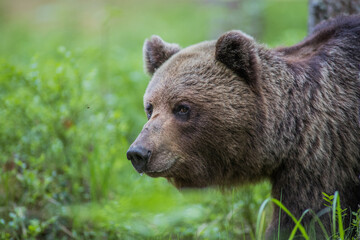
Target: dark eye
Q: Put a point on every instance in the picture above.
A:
(182, 111)
(149, 110)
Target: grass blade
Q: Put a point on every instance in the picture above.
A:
(337, 210)
(301, 228)
(261, 219)
(292, 235)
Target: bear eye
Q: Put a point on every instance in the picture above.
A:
(149, 110)
(182, 111)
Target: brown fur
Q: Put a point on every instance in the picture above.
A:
(290, 115)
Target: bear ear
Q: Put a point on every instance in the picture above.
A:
(238, 51)
(156, 52)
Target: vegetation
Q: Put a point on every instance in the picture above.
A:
(71, 91)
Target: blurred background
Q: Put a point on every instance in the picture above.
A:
(72, 81)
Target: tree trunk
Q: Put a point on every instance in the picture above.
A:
(320, 10)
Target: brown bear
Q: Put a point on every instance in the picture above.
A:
(232, 111)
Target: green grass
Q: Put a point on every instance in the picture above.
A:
(337, 231)
(71, 91)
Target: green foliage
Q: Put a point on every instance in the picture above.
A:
(333, 205)
(338, 214)
(53, 152)
(355, 223)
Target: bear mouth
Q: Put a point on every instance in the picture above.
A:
(165, 172)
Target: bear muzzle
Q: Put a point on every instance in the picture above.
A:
(139, 157)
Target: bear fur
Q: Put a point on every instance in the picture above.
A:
(232, 111)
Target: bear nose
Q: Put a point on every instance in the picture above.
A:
(139, 157)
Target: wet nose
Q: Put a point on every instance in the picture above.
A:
(139, 157)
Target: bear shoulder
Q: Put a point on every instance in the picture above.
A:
(339, 33)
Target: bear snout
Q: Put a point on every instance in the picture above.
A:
(139, 157)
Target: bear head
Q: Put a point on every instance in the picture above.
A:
(204, 119)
